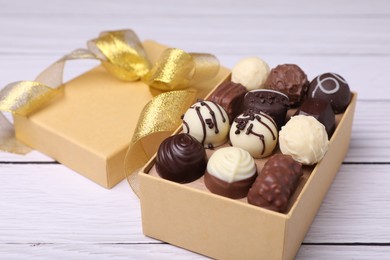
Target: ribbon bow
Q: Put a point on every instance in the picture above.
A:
(122, 54)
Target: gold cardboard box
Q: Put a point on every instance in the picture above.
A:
(191, 217)
(90, 127)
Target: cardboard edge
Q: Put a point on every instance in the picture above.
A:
(318, 184)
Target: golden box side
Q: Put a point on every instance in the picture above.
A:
(60, 149)
(208, 224)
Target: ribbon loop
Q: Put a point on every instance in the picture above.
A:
(123, 54)
(176, 69)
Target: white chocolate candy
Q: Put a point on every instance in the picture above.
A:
(304, 138)
(208, 122)
(255, 133)
(231, 164)
(250, 72)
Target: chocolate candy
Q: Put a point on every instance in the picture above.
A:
(251, 72)
(181, 158)
(271, 102)
(230, 172)
(255, 133)
(290, 80)
(304, 138)
(332, 88)
(230, 96)
(207, 122)
(276, 183)
(320, 110)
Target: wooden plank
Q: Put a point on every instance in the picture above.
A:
(355, 209)
(213, 7)
(276, 35)
(344, 252)
(52, 204)
(165, 251)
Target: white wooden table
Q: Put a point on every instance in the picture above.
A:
(49, 211)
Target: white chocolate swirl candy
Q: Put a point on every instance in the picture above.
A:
(255, 133)
(231, 164)
(208, 122)
(304, 138)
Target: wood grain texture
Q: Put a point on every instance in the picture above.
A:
(47, 210)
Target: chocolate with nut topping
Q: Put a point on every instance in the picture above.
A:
(276, 183)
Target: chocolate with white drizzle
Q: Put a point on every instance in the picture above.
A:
(207, 122)
(333, 88)
(254, 132)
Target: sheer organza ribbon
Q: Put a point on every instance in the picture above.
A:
(122, 54)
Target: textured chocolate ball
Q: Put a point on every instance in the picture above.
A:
(332, 88)
(181, 158)
(290, 80)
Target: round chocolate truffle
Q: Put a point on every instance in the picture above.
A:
(254, 132)
(250, 72)
(271, 102)
(332, 88)
(290, 80)
(208, 122)
(304, 138)
(181, 158)
(230, 172)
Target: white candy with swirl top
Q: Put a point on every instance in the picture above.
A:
(231, 164)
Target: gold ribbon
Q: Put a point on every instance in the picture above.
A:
(159, 118)
(122, 54)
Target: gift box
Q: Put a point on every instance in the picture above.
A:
(189, 216)
(90, 126)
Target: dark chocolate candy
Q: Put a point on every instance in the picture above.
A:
(276, 183)
(181, 158)
(332, 88)
(271, 102)
(320, 110)
(234, 190)
(229, 96)
(290, 80)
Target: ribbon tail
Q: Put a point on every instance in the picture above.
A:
(8, 141)
(160, 117)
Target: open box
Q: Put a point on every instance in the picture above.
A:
(89, 128)
(189, 216)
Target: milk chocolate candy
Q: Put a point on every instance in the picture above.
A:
(320, 110)
(290, 80)
(230, 96)
(181, 158)
(276, 183)
(230, 172)
(271, 102)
